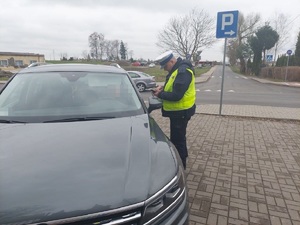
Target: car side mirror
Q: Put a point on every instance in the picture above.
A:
(154, 103)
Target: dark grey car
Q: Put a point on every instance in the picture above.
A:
(142, 80)
(78, 146)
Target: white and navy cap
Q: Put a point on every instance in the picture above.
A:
(164, 58)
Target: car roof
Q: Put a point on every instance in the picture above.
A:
(140, 73)
(75, 67)
(37, 64)
(133, 71)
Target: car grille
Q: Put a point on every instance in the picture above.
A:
(130, 215)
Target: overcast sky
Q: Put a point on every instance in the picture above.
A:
(55, 27)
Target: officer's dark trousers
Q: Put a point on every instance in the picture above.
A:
(178, 136)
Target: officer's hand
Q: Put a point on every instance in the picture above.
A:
(157, 90)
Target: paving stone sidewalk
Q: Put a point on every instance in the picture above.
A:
(268, 112)
(242, 170)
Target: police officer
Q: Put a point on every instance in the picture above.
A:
(179, 96)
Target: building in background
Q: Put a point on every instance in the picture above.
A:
(19, 59)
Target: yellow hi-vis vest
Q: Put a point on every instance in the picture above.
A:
(188, 99)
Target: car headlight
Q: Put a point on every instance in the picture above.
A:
(161, 205)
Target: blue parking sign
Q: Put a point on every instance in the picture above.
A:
(227, 23)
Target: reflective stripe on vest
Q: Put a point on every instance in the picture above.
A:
(188, 99)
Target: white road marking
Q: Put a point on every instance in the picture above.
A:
(209, 90)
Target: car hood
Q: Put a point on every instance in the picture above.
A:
(54, 170)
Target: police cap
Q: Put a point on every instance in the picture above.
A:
(164, 58)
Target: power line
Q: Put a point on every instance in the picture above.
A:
(293, 20)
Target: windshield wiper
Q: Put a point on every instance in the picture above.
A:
(11, 121)
(75, 119)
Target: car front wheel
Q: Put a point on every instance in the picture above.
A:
(141, 87)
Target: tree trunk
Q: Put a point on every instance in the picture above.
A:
(242, 65)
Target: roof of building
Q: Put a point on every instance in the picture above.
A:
(20, 54)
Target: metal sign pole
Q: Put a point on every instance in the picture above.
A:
(223, 72)
(287, 64)
(227, 26)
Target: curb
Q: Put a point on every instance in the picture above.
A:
(288, 84)
(207, 76)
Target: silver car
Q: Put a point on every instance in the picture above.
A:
(142, 80)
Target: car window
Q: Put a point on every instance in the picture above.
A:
(145, 74)
(133, 75)
(63, 94)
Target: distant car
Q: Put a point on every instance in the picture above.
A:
(78, 146)
(152, 65)
(142, 80)
(144, 63)
(136, 64)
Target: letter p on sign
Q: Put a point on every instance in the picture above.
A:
(227, 20)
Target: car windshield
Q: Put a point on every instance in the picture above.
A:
(68, 96)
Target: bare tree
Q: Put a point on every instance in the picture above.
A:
(108, 47)
(232, 50)
(112, 49)
(127, 49)
(115, 49)
(280, 24)
(189, 34)
(247, 26)
(96, 43)
(130, 54)
(63, 56)
(84, 54)
(238, 47)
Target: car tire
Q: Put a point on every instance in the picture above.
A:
(141, 87)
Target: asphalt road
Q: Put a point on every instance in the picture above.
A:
(240, 90)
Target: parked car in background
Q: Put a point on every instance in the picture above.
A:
(144, 63)
(136, 64)
(142, 80)
(152, 65)
(79, 146)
